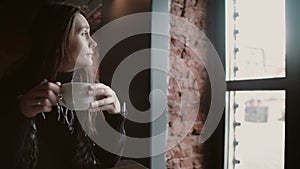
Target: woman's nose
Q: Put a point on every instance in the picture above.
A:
(93, 43)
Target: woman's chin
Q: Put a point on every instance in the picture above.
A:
(84, 64)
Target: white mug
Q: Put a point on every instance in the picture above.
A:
(75, 96)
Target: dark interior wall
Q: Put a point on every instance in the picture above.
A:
(139, 88)
(114, 9)
(16, 19)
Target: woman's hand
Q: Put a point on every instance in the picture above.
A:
(106, 99)
(39, 99)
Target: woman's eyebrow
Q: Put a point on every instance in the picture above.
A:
(82, 28)
(85, 27)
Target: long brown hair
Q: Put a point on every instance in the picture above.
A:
(50, 49)
(50, 33)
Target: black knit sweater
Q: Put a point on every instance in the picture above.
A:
(57, 146)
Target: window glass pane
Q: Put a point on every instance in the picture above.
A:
(255, 122)
(255, 39)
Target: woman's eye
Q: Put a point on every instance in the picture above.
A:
(84, 33)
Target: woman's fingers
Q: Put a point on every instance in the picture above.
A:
(38, 102)
(45, 102)
(58, 84)
(100, 89)
(39, 109)
(102, 102)
(31, 108)
(54, 87)
(39, 99)
(99, 86)
(106, 98)
(108, 108)
(49, 94)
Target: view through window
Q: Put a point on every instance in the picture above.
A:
(255, 50)
(256, 37)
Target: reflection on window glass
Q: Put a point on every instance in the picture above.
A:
(255, 39)
(255, 130)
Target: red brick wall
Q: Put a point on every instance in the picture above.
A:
(188, 80)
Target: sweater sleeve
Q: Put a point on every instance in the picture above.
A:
(112, 140)
(11, 122)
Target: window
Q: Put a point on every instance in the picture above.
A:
(255, 40)
(256, 129)
(286, 84)
(263, 79)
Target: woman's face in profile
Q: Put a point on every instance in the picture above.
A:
(81, 43)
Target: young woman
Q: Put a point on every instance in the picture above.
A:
(62, 47)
